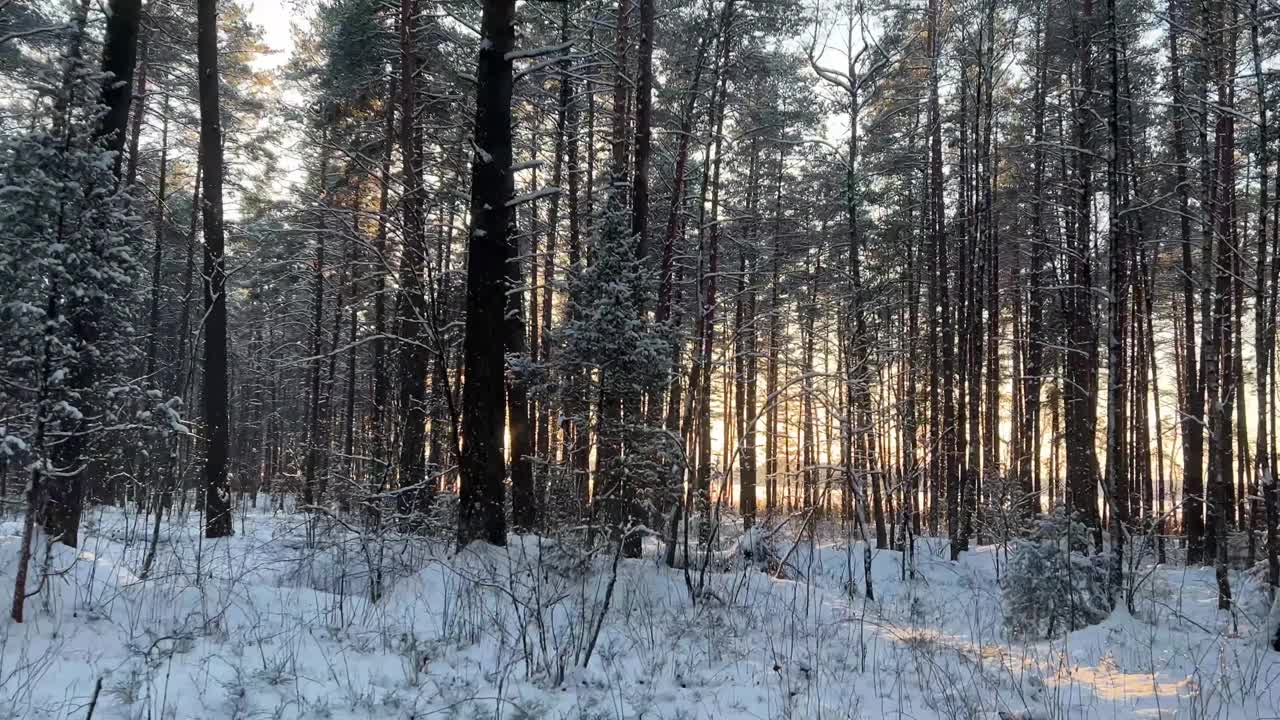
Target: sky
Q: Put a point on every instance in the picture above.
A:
(275, 17)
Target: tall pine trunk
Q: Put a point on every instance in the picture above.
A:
(415, 491)
(481, 513)
(119, 56)
(217, 494)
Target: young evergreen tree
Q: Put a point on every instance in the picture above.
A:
(67, 264)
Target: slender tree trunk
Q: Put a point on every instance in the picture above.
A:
(414, 495)
(1161, 526)
(1029, 452)
(382, 269)
(524, 501)
(644, 119)
(957, 492)
(185, 360)
(1263, 323)
(667, 287)
(709, 232)
(310, 494)
(353, 324)
(748, 364)
(576, 425)
(948, 479)
(157, 254)
(1117, 478)
(934, 228)
(1191, 400)
(991, 222)
(806, 311)
(542, 423)
(139, 110)
(910, 420)
(774, 344)
(1081, 363)
(1221, 372)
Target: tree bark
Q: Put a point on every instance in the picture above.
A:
(311, 468)
(1192, 398)
(119, 56)
(1029, 448)
(217, 495)
(1117, 478)
(1081, 363)
(481, 515)
(415, 494)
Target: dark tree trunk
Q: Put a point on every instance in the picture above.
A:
(139, 111)
(185, 358)
(524, 499)
(667, 281)
(745, 393)
(353, 325)
(217, 495)
(380, 468)
(1117, 469)
(1221, 383)
(1264, 324)
(1081, 361)
(935, 227)
(644, 119)
(157, 254)
(1192, 399)
(991, 252)
(119, 55)
(771, 430)
(708, 281)
(618, 493)
(575, 426)
(414, 495)
(310, 494)
(542, 423)
(807, 311)
(910, 502)
(1029, 447)
(481, 514)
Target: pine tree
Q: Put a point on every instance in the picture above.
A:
(217, 493)
(66, 262)
(609, 338)
(482, 514)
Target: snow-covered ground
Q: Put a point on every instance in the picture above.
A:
(280, 622)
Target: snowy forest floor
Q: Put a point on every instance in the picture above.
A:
(278, 622)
